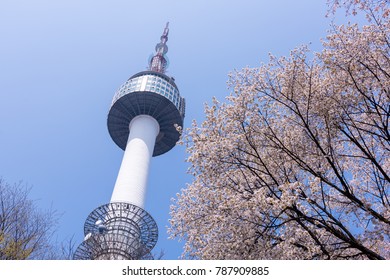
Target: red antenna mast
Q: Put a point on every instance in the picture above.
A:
(159, 61)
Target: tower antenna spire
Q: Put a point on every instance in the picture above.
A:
(159, 61)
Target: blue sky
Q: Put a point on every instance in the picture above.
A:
(62, 61)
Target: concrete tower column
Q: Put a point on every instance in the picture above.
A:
(131, 183)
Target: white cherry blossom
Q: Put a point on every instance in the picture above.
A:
(295, 163)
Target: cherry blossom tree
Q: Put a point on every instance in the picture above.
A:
(370, 7)
(295, 164)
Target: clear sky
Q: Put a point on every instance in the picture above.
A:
(62, 61)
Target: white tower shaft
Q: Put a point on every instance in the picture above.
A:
(132, 178)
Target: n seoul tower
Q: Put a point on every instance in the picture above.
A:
(142, 121)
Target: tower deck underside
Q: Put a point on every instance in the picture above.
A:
(147, 93)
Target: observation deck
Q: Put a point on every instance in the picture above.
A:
(147, 93)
